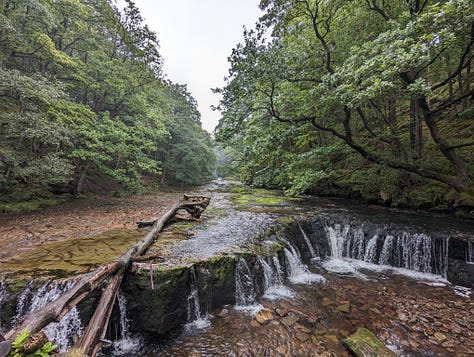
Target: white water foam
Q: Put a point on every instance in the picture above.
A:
(127, 344)
(298, 272)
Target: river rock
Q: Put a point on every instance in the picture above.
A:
(302, 336)
(345, 307)
(290, 319)
(364, 343)
(402, 317)
(439, 336)
(264, 316)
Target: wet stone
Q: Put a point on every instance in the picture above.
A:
(301, 336)
(345, 308)
(402, 317)
(290, 319)
(264, 316)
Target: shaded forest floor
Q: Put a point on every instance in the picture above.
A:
(79, 218)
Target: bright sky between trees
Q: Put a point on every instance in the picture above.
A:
(196, 37)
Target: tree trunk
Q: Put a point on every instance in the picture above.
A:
(97, 326)
(82, 180)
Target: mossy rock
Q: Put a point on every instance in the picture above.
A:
(364, 343)
(216, 280)
(157, 299)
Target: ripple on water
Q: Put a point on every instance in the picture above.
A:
(225, 235)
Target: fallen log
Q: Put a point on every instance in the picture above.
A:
(97, 327)
(55, 310)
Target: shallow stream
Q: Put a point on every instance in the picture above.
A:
(304, 275)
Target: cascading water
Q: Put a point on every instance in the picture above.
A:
(273, 280)
(245, 293)
(298, 272)
(371, 249)
(386, 252)
(195, 318)
(126, 344)
(413, 251)
(307, 241)
(470, 252)
(61, 333)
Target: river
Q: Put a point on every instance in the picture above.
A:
(339, 266)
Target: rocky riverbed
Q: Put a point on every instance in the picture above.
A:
(411, 317)
(414, 318)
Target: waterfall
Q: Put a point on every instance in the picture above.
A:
(470, 252)
(414, 251)
(273, 280)
(307, 241)
(386, 252)
(337, 237)
(245, 293)
(62, 332)
(127, 344)
(278, 269)
(371, 250)
(195, 318)
(298, 272)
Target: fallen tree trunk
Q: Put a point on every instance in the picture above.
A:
(97, 326)
(56, 309)
(96, 329)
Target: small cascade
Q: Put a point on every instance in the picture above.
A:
(298, 272)
(371, 249)
(413, 251)
(470, 252)
(337, 238)
(441, 252)
(273, 280)
(126, 344)
(195, 318)
(307, 241)
(245, 293)
(62, 332)
(278, 269)
(22, 303)
(386, 252)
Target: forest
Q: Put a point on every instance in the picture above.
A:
(86, 107)
(364, 99)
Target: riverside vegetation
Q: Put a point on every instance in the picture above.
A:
(366, 99)
(84, 105)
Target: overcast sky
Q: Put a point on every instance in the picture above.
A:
(196, 37)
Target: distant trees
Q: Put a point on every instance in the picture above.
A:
(370, 95)
(82, 94)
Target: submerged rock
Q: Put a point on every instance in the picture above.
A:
(264, 316)
(364, 343)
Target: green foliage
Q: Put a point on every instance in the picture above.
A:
(81, 95)
(352, 96)
(20, 340)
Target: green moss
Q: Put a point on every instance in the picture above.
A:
(364, 343)
(159, 298)
(63, 258)
(267, 250)
(33, 205)
(221, 269)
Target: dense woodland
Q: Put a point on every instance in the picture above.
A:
(84, 104)
(363, 98)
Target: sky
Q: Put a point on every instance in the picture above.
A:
(196, 37)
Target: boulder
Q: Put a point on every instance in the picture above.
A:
(364, 343)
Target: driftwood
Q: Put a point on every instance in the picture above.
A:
(114, 271)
